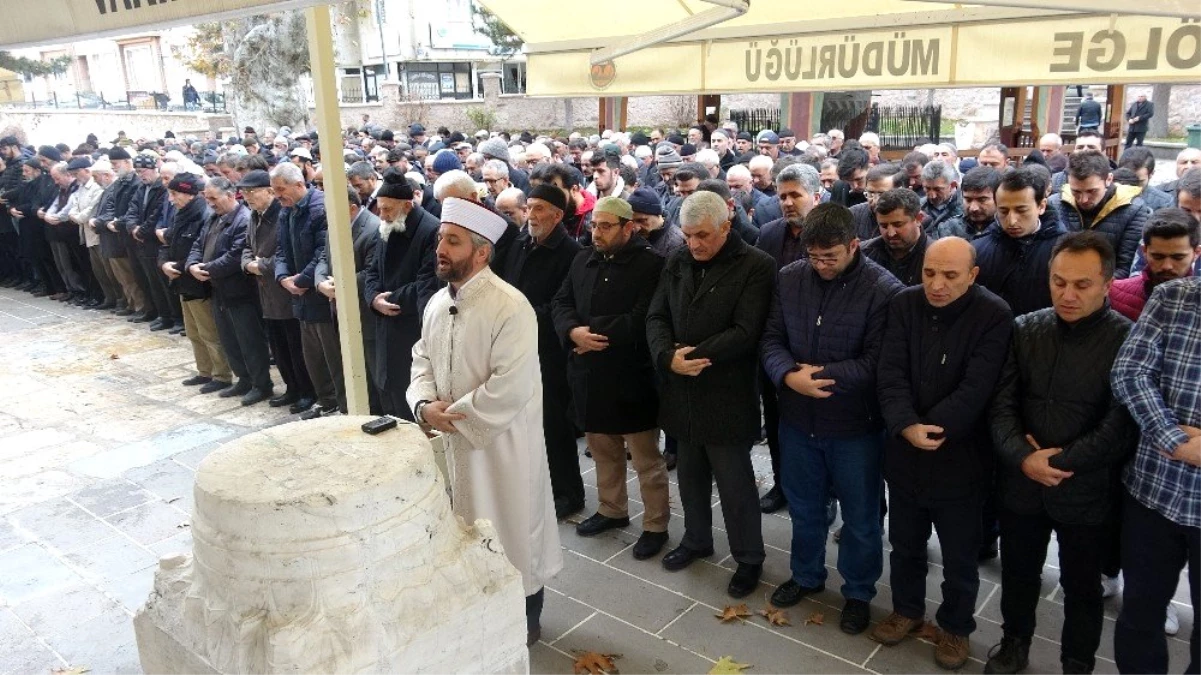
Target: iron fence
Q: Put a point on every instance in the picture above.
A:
(905, 126)
(210, 102)
(755, 120)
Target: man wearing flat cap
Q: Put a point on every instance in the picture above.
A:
(398, 281)
(476, 379)
(538, 262)
(600, 316)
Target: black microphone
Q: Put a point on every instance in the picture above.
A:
(453, 310)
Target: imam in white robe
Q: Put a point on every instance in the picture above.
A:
(483, 358)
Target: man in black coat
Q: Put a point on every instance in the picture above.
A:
(798, 191)
(217, 257)
(901, 241)
(364, 237)
(537, 264)
(1060, 435)
(12, 273)
(703, 330)
(145, 208)
(1138, 117)
(33, 195)
(820, 350)
(600, 315)
(943, 350)
(398, 281)
(1014, 253)
(212, 369)
(113, 240)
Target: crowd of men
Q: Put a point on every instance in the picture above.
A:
(1011, 343)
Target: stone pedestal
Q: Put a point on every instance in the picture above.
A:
(319, 548)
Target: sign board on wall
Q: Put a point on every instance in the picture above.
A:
(1090, 49)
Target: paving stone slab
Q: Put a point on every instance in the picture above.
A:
(106, 497)
(605, 588)
(29, 571)
(641, 652)
(62, 524)
(150, 522)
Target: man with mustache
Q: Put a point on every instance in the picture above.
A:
(476, 380)
(1171, 246)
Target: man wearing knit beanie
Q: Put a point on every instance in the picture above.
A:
(538, 262)
(612, 380)
(648, 216)
(444, 160)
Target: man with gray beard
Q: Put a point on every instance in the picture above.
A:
(398, 282)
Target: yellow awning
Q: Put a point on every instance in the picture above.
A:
(786, 45)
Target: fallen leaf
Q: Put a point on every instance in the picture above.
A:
(75, 670)
(595, 663)
(726, 666)
(733, 612)
(185, 524)
(173, 500)
(114, 357)
(816, 618)
(775, 616)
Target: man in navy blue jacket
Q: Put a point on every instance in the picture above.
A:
(820, 349)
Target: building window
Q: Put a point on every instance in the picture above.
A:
(437, 80)
(372, 76)
(513, 81)
(352, 85)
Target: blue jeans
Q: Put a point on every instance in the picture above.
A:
(811, 467)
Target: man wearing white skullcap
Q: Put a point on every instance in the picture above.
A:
(476, 379)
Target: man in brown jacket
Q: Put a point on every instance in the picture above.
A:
(283, 329)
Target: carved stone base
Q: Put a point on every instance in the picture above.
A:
(319, 548)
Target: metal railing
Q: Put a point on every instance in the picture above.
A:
(212, 102)
(755, 120)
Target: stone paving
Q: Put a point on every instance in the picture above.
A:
(99, 444)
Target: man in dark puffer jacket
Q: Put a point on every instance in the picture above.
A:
(1092, 201)
(820, 349)
(1061, 435)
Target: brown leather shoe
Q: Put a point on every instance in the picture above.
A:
(893, 629)
(952, 651)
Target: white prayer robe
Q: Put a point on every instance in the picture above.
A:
(484, 359)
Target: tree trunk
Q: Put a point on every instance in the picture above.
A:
(1161, 95)
(268, 55)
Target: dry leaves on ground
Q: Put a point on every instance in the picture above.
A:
(734, 612)
(816, 618)
(595, 663)
(726, 666)
(775, 616)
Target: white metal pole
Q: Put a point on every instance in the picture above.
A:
(337, 209)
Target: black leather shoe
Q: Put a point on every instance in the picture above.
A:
(143, 318)
(196, 380)
(682, 556)
(565, 507)
(302, 405)
(597, 523)
(744, 581)
(256, 395)
(649, 545)
(286, 398)
(772, 501)
(988, 551)
(215, 385)
(315, 412)
(1012, 655)
(670, 458)
(162, 325)
(242, 387)
(176, 329)
(856, 617)
(124, 312)
(105, 306)
(790, 593)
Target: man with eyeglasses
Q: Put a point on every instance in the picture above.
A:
(600, 316)
(496, 178)
(820, 348)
